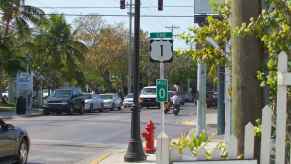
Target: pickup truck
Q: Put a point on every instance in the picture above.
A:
(66, 101)
(147, 97)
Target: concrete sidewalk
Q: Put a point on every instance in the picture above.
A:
(117, 157)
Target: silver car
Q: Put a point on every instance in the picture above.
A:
(93, 103)
(111, 101)
(128, 101)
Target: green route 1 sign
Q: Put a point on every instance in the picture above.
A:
(162, 90)
(158, 35)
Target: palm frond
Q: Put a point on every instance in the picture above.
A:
(33, 14)
(22, 27)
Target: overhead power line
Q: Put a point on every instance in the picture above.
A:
(107, 7)
(120, 15)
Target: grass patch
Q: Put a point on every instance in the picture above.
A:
(7, 107)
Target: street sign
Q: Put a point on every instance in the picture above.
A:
(161, 50)
(157, 35)
(162, 90)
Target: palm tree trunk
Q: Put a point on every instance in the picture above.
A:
(11, 90)
(7, 27)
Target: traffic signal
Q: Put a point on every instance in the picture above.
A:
(160, 5)
(122, 4)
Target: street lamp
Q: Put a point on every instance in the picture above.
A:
(135, 150)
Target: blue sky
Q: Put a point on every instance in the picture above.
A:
(147, 24)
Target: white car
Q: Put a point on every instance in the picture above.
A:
(128, 101)
(93, 103)
(111, 101)
(147, 97)
(5, 94)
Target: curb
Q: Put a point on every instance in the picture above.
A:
(21, 116)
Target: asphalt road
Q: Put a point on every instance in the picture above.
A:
(68, 139)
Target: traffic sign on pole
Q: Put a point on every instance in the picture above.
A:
(162, 90)
(158, 35)
(161, 50)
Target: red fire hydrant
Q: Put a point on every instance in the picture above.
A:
(149, 136)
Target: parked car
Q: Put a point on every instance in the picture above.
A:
(93, 102)
(14, 144)
(211, 99)
(66, 101)
(4, 97)
(147, 97)
(128, 101)
(5, 94)
(111, 101)
(188, 97)
(182, 99)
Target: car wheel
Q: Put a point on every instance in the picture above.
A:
(71, 110)
(45, 112)
(102, 108)
(82, 109)
(113, 107)
(23, 152)
(91, 108)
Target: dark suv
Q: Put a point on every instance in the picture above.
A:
(65, 101)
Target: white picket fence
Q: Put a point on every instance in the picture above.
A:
(284, 80)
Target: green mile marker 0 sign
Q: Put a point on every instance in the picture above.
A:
(162, 90)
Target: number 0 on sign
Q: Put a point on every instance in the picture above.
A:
(162, 90)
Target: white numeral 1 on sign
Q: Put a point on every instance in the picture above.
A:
(162, 53)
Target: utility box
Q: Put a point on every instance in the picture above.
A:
(24, 91)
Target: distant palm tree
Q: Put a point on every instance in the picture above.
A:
(57, 49)
(19, 16)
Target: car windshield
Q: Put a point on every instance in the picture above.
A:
(149, 91)
(62, 93)
(106, 97)
(129, 96)
(96, 96)
(88, 96)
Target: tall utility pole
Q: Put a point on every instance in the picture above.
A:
(135, 151)
(130, 55)
(247, 57)
(172, 28)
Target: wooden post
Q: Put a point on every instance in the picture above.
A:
(266, 135)
(247, 95)
(281, 109)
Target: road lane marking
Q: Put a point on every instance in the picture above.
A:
(101, 158)
(68, 143)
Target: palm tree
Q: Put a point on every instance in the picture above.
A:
(57, 50)
(16, 14)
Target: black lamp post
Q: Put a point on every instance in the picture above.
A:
(135, 150)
